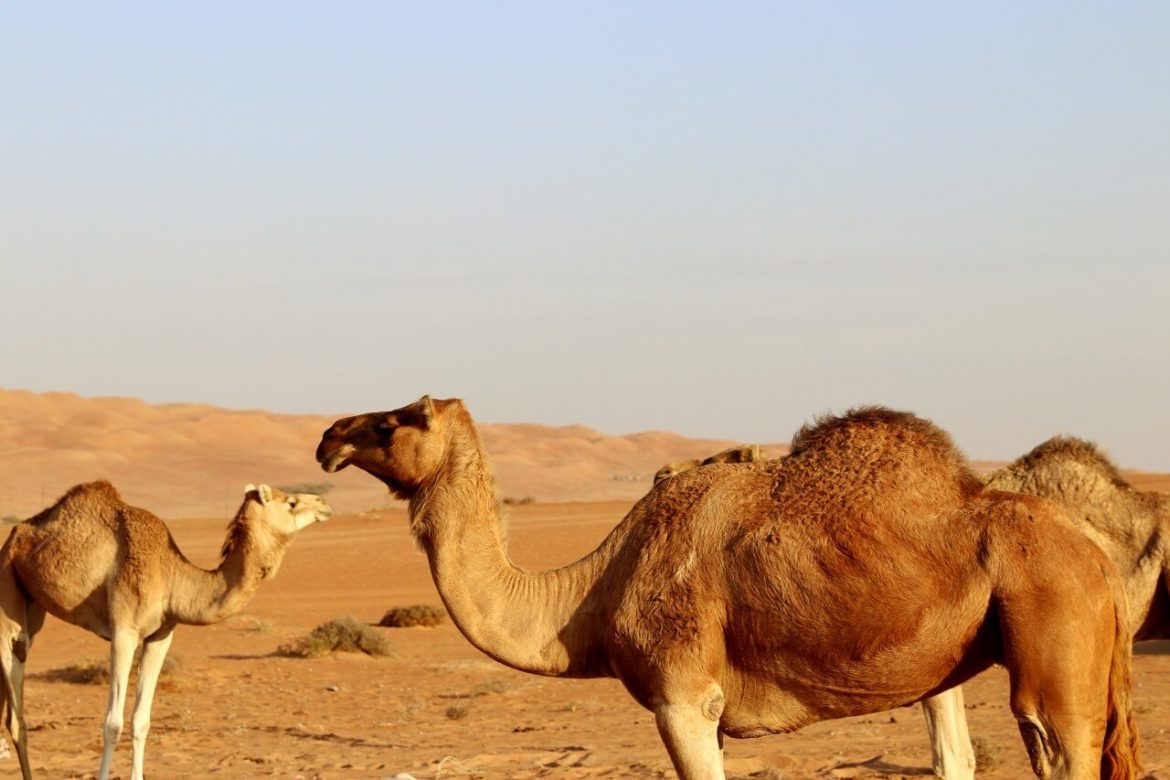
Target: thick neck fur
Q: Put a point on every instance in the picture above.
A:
(540, 622)
(251, 553)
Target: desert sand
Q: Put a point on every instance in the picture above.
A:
(436, 707)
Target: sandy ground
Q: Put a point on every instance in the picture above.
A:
(439, 708)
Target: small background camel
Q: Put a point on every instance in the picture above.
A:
(866, 570)
(113, 569)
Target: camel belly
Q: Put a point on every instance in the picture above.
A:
(794, 681)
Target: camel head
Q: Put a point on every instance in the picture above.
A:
(284, 513)
(402, 448)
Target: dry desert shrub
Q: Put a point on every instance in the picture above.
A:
(511, 500)
(417, 615)
(316, 488)
(91, 671)
(344, 634)
(987, 754)
(458, 711)
(254, 625)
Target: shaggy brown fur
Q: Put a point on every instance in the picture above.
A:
(113, 569)
(863, 572)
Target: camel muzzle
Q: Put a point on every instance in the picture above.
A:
(336, 460)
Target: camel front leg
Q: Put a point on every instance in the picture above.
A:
(154, 652)
(950, 744)
(14, 644)
(690, 729)
(121, 659)
(15, 641)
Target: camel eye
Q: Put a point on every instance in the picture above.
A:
(386, 428)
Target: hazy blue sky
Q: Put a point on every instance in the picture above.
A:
(717, 219)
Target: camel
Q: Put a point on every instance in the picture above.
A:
(1131, 526)
(748, 453)
(866, 570)
(113, 569)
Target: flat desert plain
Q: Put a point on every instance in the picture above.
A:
(438, 708)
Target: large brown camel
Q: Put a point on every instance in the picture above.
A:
(113, 569)
(867, 570)
(1132, 527)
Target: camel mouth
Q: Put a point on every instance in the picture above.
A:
(338, 459)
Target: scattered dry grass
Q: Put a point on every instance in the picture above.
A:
(458, 711)
(92, 671)
(255, 625)
(417, 615)
(988, 755)
(511, 501)
(344, 634)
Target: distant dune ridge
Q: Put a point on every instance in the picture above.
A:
(193, 460)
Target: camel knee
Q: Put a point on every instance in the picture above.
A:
(139, 728)
(113, 728)
(1038, 744)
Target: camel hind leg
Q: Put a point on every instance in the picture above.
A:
(1058, 651)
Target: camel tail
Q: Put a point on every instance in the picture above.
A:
(1119, 755)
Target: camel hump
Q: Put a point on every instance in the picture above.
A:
(1063, 451)
(91, 496)
(1072, 471)
(875, 437)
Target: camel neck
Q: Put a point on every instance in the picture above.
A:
(200, 597)
(546, 622)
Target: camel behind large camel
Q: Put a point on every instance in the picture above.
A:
(1131, 526)
(865, 571)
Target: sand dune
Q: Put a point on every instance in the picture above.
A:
(192, 460)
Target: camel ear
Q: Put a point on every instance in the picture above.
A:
(428, 410)
(265, 494)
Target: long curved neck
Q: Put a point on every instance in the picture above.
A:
(200, 597)
(548, 623)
